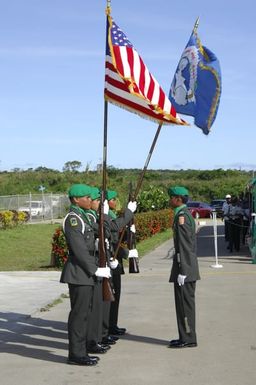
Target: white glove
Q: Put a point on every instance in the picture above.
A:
(107, 243)
(105, 207)
(96, 244)
(133, 253)
(132, 206)
(133, 229)
(103, 272)
(113, 264)
(181, 279)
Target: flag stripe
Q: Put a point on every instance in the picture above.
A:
(128, 82)
(116, 90)
(119, 61)
(134, 106)
(142, 77)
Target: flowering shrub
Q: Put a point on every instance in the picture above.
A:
(59, 252)
(152, 222)
(12, 218)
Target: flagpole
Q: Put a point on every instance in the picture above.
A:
(196, 25)
(140, 180)
(105, 144)
(105, 130)
(107, 291)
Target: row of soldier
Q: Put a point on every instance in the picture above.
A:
(92, 322)
(236, 216)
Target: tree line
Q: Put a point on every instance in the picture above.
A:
(203, 185)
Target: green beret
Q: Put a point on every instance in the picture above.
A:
(95, 193)
(177, 190)
(79, 190)
(111, 194)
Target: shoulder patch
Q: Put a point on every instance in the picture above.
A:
(181, 220)
(73, 221)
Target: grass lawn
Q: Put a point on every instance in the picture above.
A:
(152, 243)
(28, 247)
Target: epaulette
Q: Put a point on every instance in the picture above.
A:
(72, 213)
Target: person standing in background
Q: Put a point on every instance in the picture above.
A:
(225, 210)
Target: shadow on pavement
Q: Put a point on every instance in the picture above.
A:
(18, 331)
(144, 339)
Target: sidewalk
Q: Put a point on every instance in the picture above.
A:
(33, 344)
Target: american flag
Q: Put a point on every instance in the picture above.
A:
(128, 82)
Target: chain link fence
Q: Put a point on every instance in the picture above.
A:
(40, 207)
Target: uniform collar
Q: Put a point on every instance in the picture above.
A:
(178, 209)
(112, 214)
(82, 212)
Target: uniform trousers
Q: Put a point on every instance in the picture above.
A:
(234, 234)
(105, 321)
(185, 306)
(226, 229)
(94, 333)
(114, 307)
(80, 301)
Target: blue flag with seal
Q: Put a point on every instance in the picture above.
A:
(196, 86)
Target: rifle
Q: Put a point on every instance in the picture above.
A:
(131, 240)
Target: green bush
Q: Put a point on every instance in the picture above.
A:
(154, 198)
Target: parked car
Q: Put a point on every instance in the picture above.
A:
(35, 208)
(199, 209)
(217, 204)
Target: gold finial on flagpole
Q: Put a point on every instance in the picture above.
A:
(108, 9)
(196, 25)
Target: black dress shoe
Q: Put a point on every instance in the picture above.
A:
(108, 341)
(115, 338)
(121, 329)
(174, 342)
(107, 347)
(82, 361)
(95, 357)
(117, 331)
(183, 345)
(97, 349)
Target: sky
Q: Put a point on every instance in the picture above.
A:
(52, 81)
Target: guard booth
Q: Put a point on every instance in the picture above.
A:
(251, 188)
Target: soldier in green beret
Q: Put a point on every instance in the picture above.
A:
(95, 328)
(80, 272)
(185, 271)
(110, 325)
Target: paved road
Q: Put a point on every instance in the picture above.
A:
(33, 343)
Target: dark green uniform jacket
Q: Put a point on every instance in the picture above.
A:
(115, 225)
(81, 264)
(184, 260)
